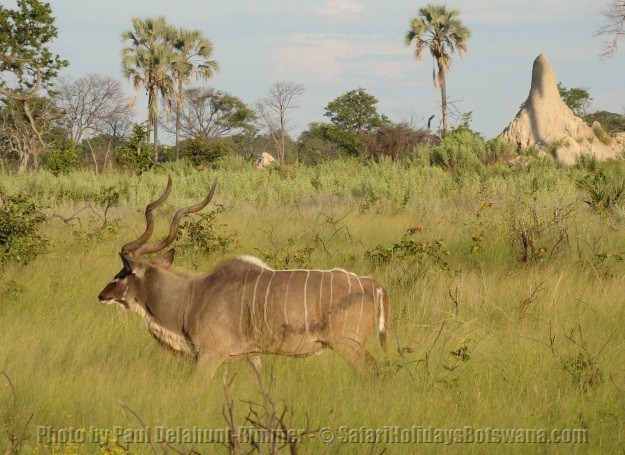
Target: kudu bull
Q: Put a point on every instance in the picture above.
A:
(243, 307)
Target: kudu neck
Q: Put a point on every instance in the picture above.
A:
(167, 298)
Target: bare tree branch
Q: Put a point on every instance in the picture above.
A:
(614, 29)
(272, 112)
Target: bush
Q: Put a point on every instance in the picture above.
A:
(498, 150)
(202, 151)
(587, 162)
(396, 141)
(60, 162)
(20, 220)
(460, 149)
(603, 192)
(611, 122)
(136, 154)
(202, 234)
(603, 137)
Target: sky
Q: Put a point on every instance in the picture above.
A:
(333, 46)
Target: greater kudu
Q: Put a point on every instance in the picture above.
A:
(243, 307)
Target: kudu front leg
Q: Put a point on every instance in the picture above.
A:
(255, 364)
(209, 362)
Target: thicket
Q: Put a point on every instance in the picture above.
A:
(20, 223)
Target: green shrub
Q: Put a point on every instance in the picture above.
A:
(412, 248)
(587, 162)
(603, 191)
(611, 122)
(460, 149)
(499, 150)
(136, 154)
(603, 137)
(201, 151)
(60, 162)
(584, 371)
(553, 147)
(202, 235)
(20, 220)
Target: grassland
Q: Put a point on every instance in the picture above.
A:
(486, 332)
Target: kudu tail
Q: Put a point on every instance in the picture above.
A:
(383, 314)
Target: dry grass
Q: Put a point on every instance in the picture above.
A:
(484, 341)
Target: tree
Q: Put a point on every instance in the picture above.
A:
(615, 27)
(611, 122)
(314, 144)
(201, 151)
(440, 30)
(210, 113)
(355, 112)
(93, 105)
(195, 52)
(24, 36)
(353, 116)
(346, 141)
(26, 66)
(17, 126)
(577, 99)
(147, 61)
(133, 154)
(272, 112)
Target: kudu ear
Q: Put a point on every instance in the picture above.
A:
(130, 265)
(166, 258)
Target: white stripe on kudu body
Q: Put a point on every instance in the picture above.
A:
(349, 293)
(197, 315)
(253, 306)
(249, 266)
(286, 296)
(306, 302)
(362, 303)
(267, 296)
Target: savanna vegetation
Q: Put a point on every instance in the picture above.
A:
(504, 269)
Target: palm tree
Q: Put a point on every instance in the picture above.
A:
(441, 31)
(194, 58)
(147, 61)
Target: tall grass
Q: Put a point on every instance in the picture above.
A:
(487, 340)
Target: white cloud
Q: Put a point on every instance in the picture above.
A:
(331, 7)
(500, 12)
(325, 59)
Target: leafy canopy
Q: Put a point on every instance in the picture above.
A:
(439, 30)
(355, 111)
(25, 33)
(577, 99)
(611, 122)
(195, 52)
(148, 58)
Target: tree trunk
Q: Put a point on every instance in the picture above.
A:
(109, 149)
(441, 83)
(155, 139)
(23, 162)
(93, 157)
(178, 106)
(35, 157)
(282, 147)
(153, 118)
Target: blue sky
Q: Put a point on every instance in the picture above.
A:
(331, 46)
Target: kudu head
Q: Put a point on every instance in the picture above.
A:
(141, 277)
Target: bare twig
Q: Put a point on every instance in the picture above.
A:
(146, 429)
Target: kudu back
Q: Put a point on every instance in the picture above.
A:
(242, 307)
